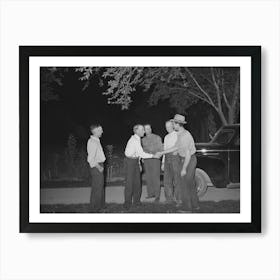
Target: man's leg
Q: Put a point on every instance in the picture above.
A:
(137, 188)
(167, 181)
(185, 190)
(96, 199)
(156, 178)
(149, 177)
(100, 189)
(176, 177)
(191, 201)
(129, 170)
(92, 192)
(191, 182)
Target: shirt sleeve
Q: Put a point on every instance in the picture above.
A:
(128, 149)
(141, 153)
(91, 150)
(192, 148)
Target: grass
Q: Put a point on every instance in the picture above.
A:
(226, 206)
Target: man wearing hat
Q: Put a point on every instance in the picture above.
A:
(185, 148)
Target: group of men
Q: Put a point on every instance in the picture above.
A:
(175, 157)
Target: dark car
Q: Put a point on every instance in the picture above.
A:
(218, 161)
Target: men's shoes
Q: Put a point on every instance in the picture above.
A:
(156, 200)
(137, 204)
(179, 204)
(184, 211)
(169, 202)
(126, 206)
(196, 209)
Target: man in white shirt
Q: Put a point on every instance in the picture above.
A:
(185, 147)
(96, 159)
(170, 166)
(133, 153)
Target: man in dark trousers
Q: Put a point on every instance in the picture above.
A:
(133, 153)
(185, 148)
(170, 166)
(96, 160)
(152, 144)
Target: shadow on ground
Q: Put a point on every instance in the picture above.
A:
(225, 206)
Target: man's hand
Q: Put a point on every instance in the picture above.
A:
(157, 155)
(162, 167)
(100, 168)
(183, 172)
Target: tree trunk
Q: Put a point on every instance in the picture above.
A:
(231, 116)
(222, 117)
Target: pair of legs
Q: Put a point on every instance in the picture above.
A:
(133, 189)
(187, 184)
(171, 178)
(97, 196)
(152, 171)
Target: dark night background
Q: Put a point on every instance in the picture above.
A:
(76, 110)
(65, 124)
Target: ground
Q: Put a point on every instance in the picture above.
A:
(226, 206)
(73, 197)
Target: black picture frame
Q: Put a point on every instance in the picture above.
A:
(25, 52)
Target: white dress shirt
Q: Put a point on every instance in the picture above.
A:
(95, 151)
(134, 149)
(169, 141)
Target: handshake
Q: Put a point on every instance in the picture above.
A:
(157, 155)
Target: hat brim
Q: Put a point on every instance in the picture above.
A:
(177, 121)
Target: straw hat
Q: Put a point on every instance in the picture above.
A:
(179, 119)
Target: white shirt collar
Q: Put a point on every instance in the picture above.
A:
(94, 138)
(137, 137)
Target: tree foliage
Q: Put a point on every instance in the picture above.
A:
(183, 86)
(50, 79)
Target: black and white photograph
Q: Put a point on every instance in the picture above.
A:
(141, 137)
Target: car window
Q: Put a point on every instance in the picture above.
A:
(223, 137)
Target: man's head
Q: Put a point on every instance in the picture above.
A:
(178, 126)
(179, 121)
(96, 130)
(148, 129)
(169, 126)
(138, 129)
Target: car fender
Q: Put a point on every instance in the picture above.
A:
(205, 175)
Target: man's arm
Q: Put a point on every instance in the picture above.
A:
(170, 150)
(188, 148)
(128, 149)
(92, 150)
(186, 162)
(142, 154)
